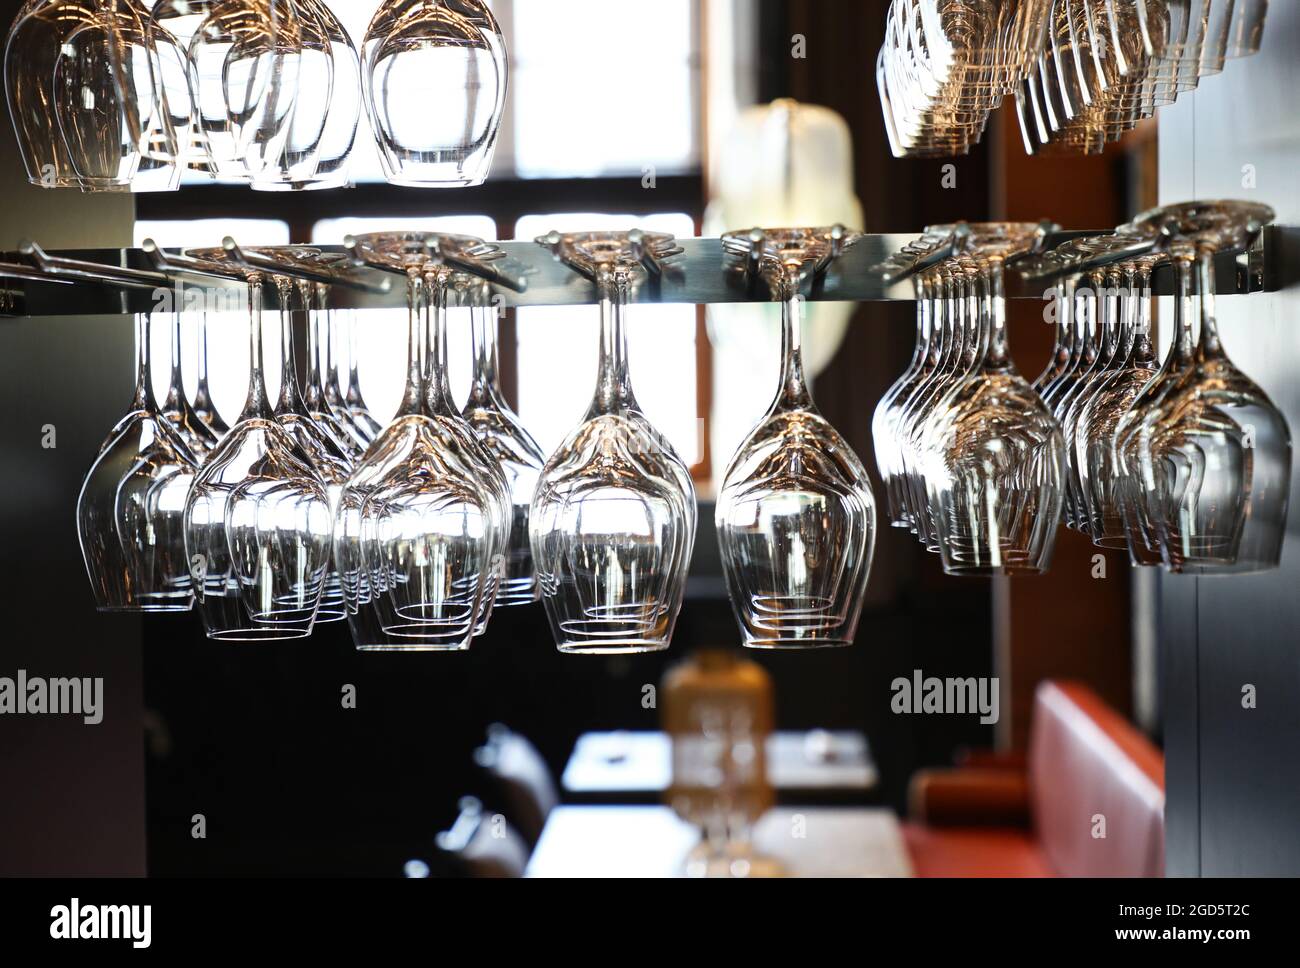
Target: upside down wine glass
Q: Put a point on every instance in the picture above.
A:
(613, 518)
(129, 511)
(1219, 447)
(995, 460)
(418, 529)
(795, 515)
(511, 447)
(257, 520)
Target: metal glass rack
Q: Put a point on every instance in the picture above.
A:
(526, 273)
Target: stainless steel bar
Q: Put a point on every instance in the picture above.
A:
(700, 275)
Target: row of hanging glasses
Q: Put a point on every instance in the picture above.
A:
(972, 460)
(110, 95)
(1083, 72)
(308, 509)
(305, 510)
(1186, 464)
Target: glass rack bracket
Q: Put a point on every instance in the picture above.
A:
(702, 273)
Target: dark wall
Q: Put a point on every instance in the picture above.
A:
(1232, 774)
(71, 794)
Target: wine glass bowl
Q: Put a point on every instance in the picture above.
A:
(420, 53)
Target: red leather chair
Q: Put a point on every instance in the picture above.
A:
(1088, 801)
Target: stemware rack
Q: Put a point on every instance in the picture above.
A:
(525, 273)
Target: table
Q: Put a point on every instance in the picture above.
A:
(590, 841)
(636, 766)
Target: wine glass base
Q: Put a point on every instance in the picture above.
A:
(414, 646)
(796, 644)
(150, 608)
(612, 647)
(259, 633)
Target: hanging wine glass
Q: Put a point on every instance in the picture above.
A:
(246, 57)
(957, 359)
(203, 405)
(176, 23)
(423, 52)
(324, 452)
(257, 520)
(1222, 446)
(613, 519)
(198, 436)
(995, 474)
(884, 421)
(294, 165)
(795, 515)
(1139, 502)
(82, 92)
(1095, 454)
(418, 535)
(1101, 300)
(440, 283)
(129, 510)
(511, 447)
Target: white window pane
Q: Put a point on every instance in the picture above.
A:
(330, 231)
(206, 232)
(676, 223)
(568, 121)
(558, 349)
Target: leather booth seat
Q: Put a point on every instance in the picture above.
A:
(1088, 801)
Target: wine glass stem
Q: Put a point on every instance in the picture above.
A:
(1183, 310)
(437, 383)
(201, 390)
(613, 385)
(257, 404)
(313, 343)
(176, 389)
(794, 393)
(412, 396)
(290, 399)
(144, 399)
(1210, 347)
(354, 376)
(486, 384)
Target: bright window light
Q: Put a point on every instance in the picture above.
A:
(567, 121)
(330, 231)
(207, 232)
(558, 353)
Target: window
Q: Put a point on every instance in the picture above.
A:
(209, 232)
(558, 350)
(562, 118)
(602, 87)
